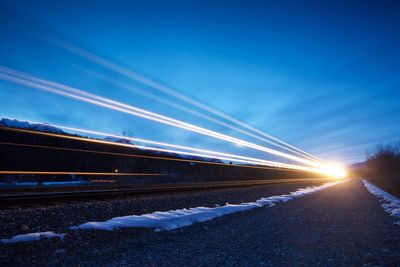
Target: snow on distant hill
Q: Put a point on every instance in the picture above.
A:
(31, 126)
(117, 140)
(200, 158)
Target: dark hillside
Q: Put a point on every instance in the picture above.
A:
(20, 158)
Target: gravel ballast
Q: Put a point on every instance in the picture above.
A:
(342, 225)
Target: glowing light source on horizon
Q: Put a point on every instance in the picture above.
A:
(335, 171)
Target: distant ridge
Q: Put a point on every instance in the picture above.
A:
(42, 127)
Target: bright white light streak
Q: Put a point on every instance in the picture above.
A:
(136, 90)
(162, 88)
(24, 79)
(213, 154)
(233, 157)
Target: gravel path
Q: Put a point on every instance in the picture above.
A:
(343, 225)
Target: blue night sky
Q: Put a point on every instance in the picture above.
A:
(321, 75)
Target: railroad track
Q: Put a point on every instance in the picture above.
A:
(77, 194)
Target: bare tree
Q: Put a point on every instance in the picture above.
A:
(129, 134)
(129, 162)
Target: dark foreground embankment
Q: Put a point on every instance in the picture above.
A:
(340, 226)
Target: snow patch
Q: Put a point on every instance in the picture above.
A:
(64, 182)
(168, 220)
(32, 237)
(118, 140)
(20, 184)
(391, 204)
(42, 127)
(44, 183)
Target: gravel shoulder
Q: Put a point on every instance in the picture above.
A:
(58, 217)
(342, 225)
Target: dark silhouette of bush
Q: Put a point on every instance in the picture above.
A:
(383, 168)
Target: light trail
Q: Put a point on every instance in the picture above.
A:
(131, 88)
(81, 173)
(148, 157)
(27, 80)
(140, 140)
(162, 88)
(167, 90)
(267, 163)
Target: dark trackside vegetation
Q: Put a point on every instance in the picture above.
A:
(33, 158)
(383, 168)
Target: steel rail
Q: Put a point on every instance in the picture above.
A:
(8, 200)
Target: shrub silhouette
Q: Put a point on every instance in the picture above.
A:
(383, 168)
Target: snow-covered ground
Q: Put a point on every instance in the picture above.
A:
(391, 204)
(32, 237)
(20, 184)
(65, 182)
(44, 183)
(168, 220)
(172, 219)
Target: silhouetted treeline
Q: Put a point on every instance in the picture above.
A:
(383, 168)
(32, 158)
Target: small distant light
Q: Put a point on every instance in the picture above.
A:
(116, 170)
